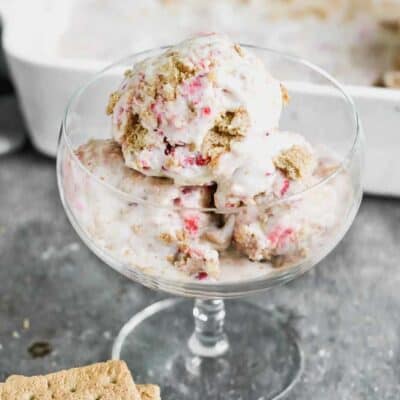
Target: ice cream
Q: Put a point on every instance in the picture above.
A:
(285, 232)
(198, 181)
(147, 233)
(176, 115)
(260, 172)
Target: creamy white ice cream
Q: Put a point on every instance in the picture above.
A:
(176, 114)
(135, 217)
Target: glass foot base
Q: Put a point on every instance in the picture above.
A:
(263, 361)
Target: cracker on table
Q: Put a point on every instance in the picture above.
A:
(103, 381)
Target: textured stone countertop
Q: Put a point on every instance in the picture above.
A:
(53, 289)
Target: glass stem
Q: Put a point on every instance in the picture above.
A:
(208, 338)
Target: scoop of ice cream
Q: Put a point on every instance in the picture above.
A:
(163, 228)
(176, 114)
(266, 165)
(288, 231)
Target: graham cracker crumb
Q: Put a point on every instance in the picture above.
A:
(170, 76)
(192, 147)
(391, 25)
(171, 162)
(294, 162)
(285, 261)
(26, 324)
(285, 95)
(136, 228)
(112, 101)
(149, 392)
(166, 237)
(193, 262)
(239, 50)
(247, 242)
(229, 127)
(128, 73)
(135, 134)
(212, 77)
(181, 235)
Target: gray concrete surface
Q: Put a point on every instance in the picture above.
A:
(347, 308)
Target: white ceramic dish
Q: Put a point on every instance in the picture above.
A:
(44, 86)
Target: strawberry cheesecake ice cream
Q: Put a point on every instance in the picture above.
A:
(176, 115)
(162, 229)
(196, 180)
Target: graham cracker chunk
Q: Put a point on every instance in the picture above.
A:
(294, 163)
(103, 381)
(135, 134)
(112, 101)
(149, 392)
(229, 127)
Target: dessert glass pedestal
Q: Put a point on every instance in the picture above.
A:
(209, 348)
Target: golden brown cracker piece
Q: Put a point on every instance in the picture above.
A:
(285, 95)
(294, 162)
(103, 381)
(112, 101)
(229, 127)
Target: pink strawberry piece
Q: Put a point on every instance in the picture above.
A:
(285, 187)
(145, 164)
(187, 190)
(194, 85)
(189, 161)
(279, 236)
(178, 202)
(202, 275)
(195, 253)
(206, 110)
(201, 161)
(192, 224)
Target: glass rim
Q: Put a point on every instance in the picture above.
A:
(218, 210)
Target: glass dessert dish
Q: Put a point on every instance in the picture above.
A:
(206, 348)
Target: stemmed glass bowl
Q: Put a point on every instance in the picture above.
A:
(208, 348)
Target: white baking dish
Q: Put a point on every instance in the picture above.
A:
(45, 85)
